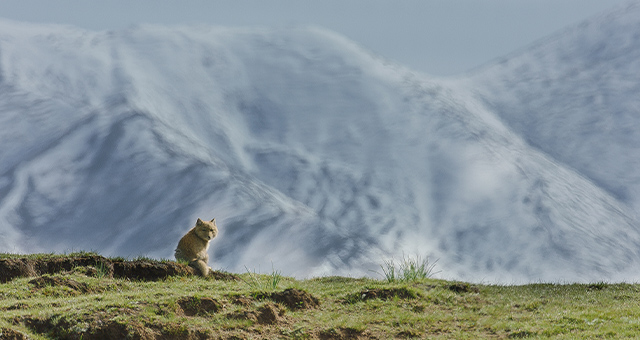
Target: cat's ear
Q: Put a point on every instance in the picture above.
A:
(199, 221)
(213, 220)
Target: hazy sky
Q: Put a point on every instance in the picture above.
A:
(438, 37)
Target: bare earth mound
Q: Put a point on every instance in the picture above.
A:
(292, 298)
(138, 270)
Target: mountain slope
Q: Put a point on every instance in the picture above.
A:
(575, 97)
(314, 156)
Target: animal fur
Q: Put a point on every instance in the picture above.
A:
(193, 246)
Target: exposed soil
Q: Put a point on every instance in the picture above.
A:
(383, 294)
(99, 330)
(243, 315)
(241, 300)
(222, 276)
(95, 265)
(16, 307)
(10, 334)
(462, 287)
(292, 298)
(96, 329)
(44, 281)
(341, 333)
(268, 314)
(148, 270)
(192, 306)
(25, 267)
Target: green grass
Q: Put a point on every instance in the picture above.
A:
(408, 269)
(349, 308)
(258, 282)
(41, 256)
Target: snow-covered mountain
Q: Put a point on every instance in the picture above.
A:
(316, 157)
(576, 97)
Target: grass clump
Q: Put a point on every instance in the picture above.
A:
(410, 269)
(259, 282)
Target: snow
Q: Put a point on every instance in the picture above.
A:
(318, 158)
(574, 96)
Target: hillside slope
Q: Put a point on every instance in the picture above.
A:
(314, 156)
(575, 96)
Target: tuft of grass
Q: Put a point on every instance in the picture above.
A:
(274, 279)
(410, 269)
(267, 282)
(102, 271)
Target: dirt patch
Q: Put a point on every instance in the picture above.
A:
(192, 306)
(244, 315)
(10, 334)
(12, 268)
(95, 265)
(45, 326)
(99, 266)
(55, 265)
(222, 276)
(95, 329)
(149, 270)
(103, 327)
(341, 334)
(111, 330)
(241, 300)
(17, 306)
(462, 287)
(291, 298)
(52, 281)
(382, 294)
(89, 271)
(268, 314)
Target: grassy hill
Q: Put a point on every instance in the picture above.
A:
(86, 296)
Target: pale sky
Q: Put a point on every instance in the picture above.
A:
(437, 37)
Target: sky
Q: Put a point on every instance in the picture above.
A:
(436, 37)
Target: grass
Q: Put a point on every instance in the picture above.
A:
(409, 269)
(349, 308)
(40, 256)
(263, 282)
